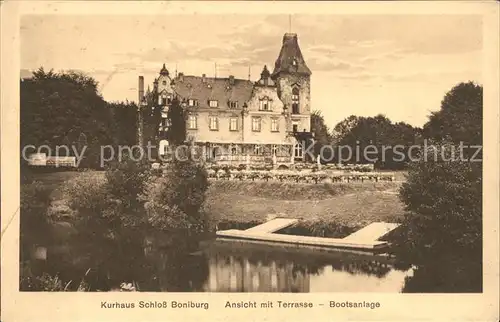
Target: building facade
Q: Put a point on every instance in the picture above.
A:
(241, 121)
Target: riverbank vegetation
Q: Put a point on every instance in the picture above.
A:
(442, 229)
(106, 220)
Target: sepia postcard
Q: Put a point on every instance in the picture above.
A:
(249, 161)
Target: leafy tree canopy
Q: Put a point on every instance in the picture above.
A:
(460, 118)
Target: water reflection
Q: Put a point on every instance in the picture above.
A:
(232, 267)
(230, 273)
(272, 270)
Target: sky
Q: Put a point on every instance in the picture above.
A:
(397, 65)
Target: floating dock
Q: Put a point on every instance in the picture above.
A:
(272, 225)
(364, 239)
(373, 231)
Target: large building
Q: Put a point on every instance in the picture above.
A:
(239, 120)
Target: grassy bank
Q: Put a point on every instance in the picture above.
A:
(241, 204)
(345, 204)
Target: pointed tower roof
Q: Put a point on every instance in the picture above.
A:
(164, 70)
(290, 59)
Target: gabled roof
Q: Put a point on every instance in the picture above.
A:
(290, 52)
(204, 89)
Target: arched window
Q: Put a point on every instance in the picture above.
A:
(297, 150)
(265, 104)
(295, 100)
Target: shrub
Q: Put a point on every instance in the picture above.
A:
(175, 201)
(86, 193)
(126, 179)
(34, 225)
(442, 232)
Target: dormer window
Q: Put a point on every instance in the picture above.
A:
(192, 102)
(213, 103)
(164, 82)
(265, 104)
(294, 62)
(233, 104)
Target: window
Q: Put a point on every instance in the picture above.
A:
(233, 104)
(274, 125)
(214, 123)
(295, 127)
(234, 150)
(275, 149)
(192, 102)
(257, 150)
(192, 122)
(256, 124)
(297, 150)
(164, 82)
(163, 147)
(295, 100)
(265, 104)
(213, 103)
(164, 99)
(294, 62)
(233, 124)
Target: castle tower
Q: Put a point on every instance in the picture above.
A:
(292, 77)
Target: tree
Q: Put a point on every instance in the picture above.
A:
(123, 123)
(151, 117)
(176, 116)
(460, 118)
(443, 227)
(386, 139)
(442, 231)
(344, 127)
(56, 108)
(174, 202)
(321, 132)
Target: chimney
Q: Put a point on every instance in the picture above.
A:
(231, 80)
(141, 90)
(204, 78)
(181, 77)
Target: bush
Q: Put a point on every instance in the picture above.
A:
(87, 193)
(442, 232)
(175, 201)
(126, 180)
(34, 225)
